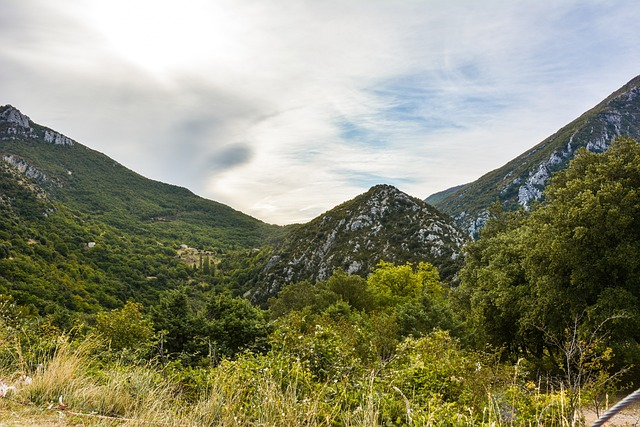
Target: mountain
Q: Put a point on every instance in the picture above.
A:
(80, 233)
(90, 182)
(521, 182)
(382, 224)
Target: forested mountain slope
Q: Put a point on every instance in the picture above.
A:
(92, 183)
(81, 233)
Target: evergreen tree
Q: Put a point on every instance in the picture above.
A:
(206, 268)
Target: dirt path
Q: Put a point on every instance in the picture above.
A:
(628, 417)
(13, 414)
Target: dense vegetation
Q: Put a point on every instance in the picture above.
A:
(573, 263)
(91, 183)
(543, 324)
(348, 351)
(67, 265)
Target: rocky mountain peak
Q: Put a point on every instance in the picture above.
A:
(14, 124)
(382, 200)
(385, 194)
(11, 114)
(383, 189)
(382, 224)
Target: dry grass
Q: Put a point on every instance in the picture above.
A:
(237, 394)
(70, 384)
(252, 391)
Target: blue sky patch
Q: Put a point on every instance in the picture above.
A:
(367, 179)
(350, 131)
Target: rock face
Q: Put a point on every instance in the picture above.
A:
(14, 124)
(11, 114)
(381, 224)
(56, 138)
(522, 181)
(24, 168)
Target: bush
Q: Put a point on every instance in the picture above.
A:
(125, 327)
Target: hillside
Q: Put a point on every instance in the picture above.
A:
(55, 262)
(522, 181)
(80, 233)
(381, 224)
(92, 183)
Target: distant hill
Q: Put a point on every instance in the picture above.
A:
(92, 183)
(436, 198)
(522, 181)
(382, 224)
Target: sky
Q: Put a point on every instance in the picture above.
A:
(283, 109)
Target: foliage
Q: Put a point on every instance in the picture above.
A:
(174, 319)
(304, 296)
(125, 327)
(393, 302)
(205, 333)
(316, 369)
(232, 324)
(393, 285)
(68, 265)
(24, 339)
(571, 264)
(430, 381)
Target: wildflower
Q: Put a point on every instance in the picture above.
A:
(4, 389)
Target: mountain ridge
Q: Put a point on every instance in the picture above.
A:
(93, 183)
(521, 181)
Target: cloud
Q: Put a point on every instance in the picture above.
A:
(283, 110)
(230, 157)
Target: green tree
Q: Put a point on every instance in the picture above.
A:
(353, 289)
(173, 315)
(233, 324)
(301, 296)
(125, 327)
(206, 266)
(495, 290)
(391, 284)
(576, 256)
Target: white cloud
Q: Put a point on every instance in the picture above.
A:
(285, 109)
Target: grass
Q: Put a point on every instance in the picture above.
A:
(73, 383)
(80, 383)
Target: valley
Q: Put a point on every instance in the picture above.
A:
(511, 300)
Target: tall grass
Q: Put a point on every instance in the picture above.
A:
(73, 378)
(256, 390)
(262, 390)
(253, 391)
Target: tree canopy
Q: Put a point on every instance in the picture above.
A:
(574, 258)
